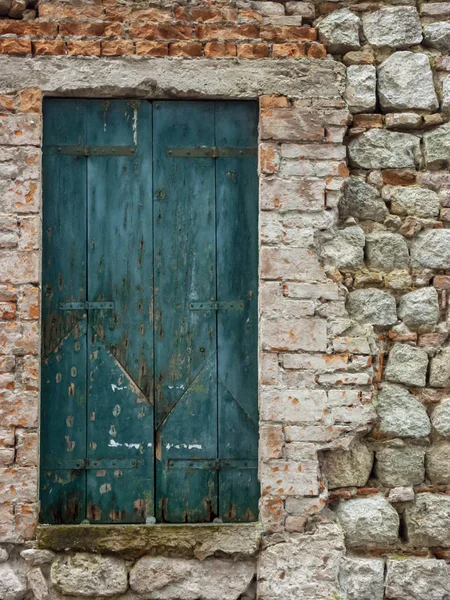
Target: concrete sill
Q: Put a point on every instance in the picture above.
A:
(132, 541)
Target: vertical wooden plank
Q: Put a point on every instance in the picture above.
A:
(63, 375)
(120, 341)
(185, 340)
(237, 331)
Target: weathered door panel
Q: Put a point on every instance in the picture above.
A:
(63, 374)
(120, 340)
(185, 339)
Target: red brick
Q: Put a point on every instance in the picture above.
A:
(114, 30)
(7, 522)
(152, 48)
(285, 33)
(269, 158)
(271, 442)
(19, 409)
(123, 13)
(185, 49)
(7, 311)
(272, 514)
(368, 121)
(29, 372)
(26, 448)
(15, 46)
(226, 32)
(220, 49)
(7, 103)
(60, 10)
(7, 365)
(441, 282)
(161, 31)
(296, 523)
(33, 28)
(83, 48)
(257, 50)
(18, 484)
(117, 47)
(29, 303)
(30, 100)
(25, 517)
(289, 50)
(317, 51)
(250, 15)
(205, 14)
(49, 47)
(273, 102)
(81, 28)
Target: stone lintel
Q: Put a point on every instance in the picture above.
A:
(172, 78)
(133, 541)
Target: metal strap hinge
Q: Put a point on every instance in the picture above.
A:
(217, 464)
(89, 305)
(91, 150)
(89, 463)
(236, 305)
(211, 152)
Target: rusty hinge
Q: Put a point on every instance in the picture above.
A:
(91, 150)
(89, 305)
(216, 464)
(89, 463)
(211, 152)
(234, 305)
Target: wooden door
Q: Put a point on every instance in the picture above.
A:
(149, 369)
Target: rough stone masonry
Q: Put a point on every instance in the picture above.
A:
(354, 286)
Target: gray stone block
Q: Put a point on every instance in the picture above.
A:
(438, 463)
(405, 82)
(345, 249)
(431, 248)
(340, 31)
(428, 521)
(382, 149)
(347, 468)
(407, 365)
(417, 578)
(11, 587)
(400, 465)
(368, 522)
(440, 369)
(362, 578)
(414, 201)
(401, 415)
(437, 147)
(440, 419)
(386, 251)
(360, 94)
(362, 201)
(437, 35)
(372, 306)
(396, 27)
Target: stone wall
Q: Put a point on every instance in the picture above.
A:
(354, 269)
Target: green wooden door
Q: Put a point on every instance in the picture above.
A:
(149, 372)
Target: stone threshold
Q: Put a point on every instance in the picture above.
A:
(237, 540)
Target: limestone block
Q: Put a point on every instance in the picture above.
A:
(415, 201)
(372, 306)
(38, 584)
(360, 94)
(386, 251)
(11, 587)
(86, 574)
(437, 147)
(4, 555)
(345, 249)
(20, 130)
(382, 149)
(36, 557)
(401, 415)
(368, 522)
(405, 82)
(362, 201)
(417, 578)
(428, 520)
(340, 31)
(438, 463)
(437, 35)
(400, 465)
(408, 365)
(440, 369)
(302, 566)
(431, 248)
(362, 578)
(440, 419)
(396, 27)
(401, 494)
(162, 578)
(445, 106)
(346, 468)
